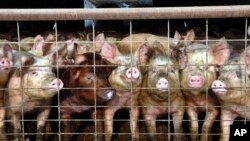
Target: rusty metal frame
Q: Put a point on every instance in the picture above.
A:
(126, 13)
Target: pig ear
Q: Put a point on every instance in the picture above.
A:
(142, 54)
(90, 36)
(38, 43)
(177, 38)
(62, 52)
(245, 59)
(220, 52)
(107, 51)
(180, 55)
(8, 51)
(79, 59)
(48, 44)
(27, 60)
(70, 47)
(99, 41)
(190, 35)
(177, 35)
(157, 49)
(248, 31)
(75, 71)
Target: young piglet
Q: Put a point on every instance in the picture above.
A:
(32, 84)
(6, 64)
(161, 94)
(233, 93)
(126, 78)
(199, 71)
(88, 88)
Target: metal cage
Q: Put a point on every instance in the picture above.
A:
(83, 126)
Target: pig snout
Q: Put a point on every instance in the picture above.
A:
(132, 73)
(219, 87)
(109, 94)
(56, 84)
(162, 84)
(195, 81)
(5, 64)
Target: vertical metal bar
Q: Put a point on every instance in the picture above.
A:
(94, 65)
(58, 95)
(246, 87)
(20, 69)
(131, 85)
(206, 75)
(169, 103)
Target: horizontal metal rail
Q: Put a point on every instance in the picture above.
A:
(125, 13)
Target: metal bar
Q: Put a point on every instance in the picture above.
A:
(125, 13)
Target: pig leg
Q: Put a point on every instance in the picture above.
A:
(17, 126)
(41, 122)
(134, 115)
(211, 115)
(98, 116)
(108, 122)
(150, 120)
(193, 117)
(177, 120)
(226, 120)
(2, 110)
(2, 116)
(66, 127)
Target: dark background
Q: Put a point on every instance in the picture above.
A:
(148, 26)
(79, 3)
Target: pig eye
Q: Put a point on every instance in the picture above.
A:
(153, 70)
(204, 67)
(172, 70)
(34, 73)
(238, 74)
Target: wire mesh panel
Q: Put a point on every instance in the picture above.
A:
(133, 75)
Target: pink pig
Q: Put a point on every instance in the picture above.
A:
(199, 71)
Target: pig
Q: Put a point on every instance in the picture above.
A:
(166, 44)
(126, 78)
(245, 59)
(197, 74)
(89, 89)
(161, 94)
(84, 46)
(31, 84)
(232, 90)
(6, 64)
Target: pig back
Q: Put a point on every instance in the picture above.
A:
(141, 38)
